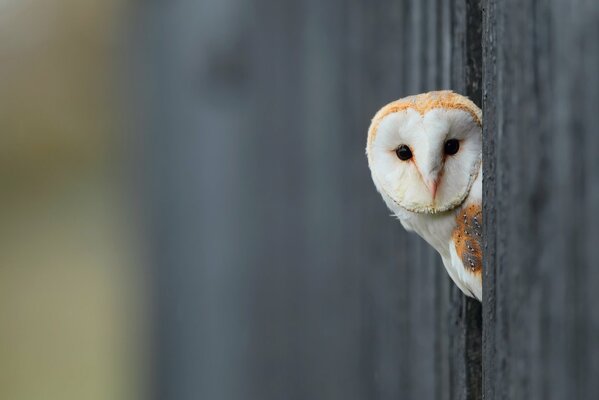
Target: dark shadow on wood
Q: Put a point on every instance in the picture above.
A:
(467, 77)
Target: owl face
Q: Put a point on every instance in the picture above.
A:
(424, 151)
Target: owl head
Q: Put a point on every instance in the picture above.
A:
(424, 151)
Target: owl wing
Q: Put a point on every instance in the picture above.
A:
(466, 248)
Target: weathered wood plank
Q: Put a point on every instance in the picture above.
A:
(541, 175)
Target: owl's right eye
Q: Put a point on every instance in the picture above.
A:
(403, 152)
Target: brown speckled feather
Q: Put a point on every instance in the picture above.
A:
(467, 237)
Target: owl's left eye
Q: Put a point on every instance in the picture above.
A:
(403, 152)
(451, 147)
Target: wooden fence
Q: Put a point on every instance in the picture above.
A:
(279, 273)
(541, 104)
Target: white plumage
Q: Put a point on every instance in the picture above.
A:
(424, 154)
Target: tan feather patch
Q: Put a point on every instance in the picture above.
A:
(423, 103)
(467, 237)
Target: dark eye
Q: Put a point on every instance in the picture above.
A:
(452, 146)
(403, 152)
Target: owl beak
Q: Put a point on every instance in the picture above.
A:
(432, 185)
(431, 181)
(430, 173)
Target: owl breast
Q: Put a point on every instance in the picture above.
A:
(457, 236)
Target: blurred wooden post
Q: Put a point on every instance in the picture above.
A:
(279, 272)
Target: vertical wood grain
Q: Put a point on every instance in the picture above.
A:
(541, 96)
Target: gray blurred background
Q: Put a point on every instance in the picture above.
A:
(279, 273)
(187, 211)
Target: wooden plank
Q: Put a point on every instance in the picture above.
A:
(541, 101)
(489, 100)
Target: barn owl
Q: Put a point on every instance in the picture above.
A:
(424, 154)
